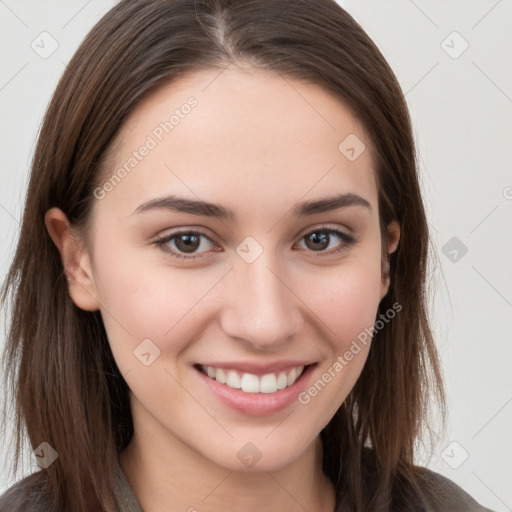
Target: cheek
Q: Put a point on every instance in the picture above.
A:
(346, 299)
(347, 302)
(141, 301)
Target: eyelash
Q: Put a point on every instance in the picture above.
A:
(346, 242)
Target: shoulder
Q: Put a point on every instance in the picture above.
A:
(30, 495)
(428, 490)
(27, 495)
(445, 495)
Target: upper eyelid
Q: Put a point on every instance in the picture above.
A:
(303, 232)
(324, 227)
(195, 231)
(300, 235)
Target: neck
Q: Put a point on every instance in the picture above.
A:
(180, 478)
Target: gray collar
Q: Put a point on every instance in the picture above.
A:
(126, 501)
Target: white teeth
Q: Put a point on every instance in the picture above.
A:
(292, 377)
(250, 383)
(233, 380)
(282, 381)
(268, 383)
(220, 376)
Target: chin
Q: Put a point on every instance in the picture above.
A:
(258, 454)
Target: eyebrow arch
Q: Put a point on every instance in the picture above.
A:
(203, 208)
(329, 204)
(181, 204)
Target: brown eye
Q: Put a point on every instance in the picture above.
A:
(321, 239)
(187, 242)
(317, 241)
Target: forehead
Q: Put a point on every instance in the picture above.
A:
(239, 135)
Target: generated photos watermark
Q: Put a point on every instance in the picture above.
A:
(156, 136)
(343, 360)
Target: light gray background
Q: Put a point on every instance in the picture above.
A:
(461, 109)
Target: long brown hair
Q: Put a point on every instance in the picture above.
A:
(66, 386)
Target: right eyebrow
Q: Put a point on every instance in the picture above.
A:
(182, 204)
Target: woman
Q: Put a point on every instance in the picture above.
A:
(219, 287)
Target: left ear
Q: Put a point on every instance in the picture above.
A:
(393, 237)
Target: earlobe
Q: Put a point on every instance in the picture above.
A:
(75, 260)
(392, 244)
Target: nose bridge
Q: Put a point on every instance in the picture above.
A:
(262, 309)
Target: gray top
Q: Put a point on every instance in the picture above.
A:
(449, 496)
(126, 501)
(25, 497)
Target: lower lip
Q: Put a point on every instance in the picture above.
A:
(257, 404)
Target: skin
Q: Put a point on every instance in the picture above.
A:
(259, 144)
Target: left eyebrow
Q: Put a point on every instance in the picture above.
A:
(329, 203)
(304, 208)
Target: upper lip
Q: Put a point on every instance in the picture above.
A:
(257, 368)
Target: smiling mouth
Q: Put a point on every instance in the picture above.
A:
(250, 383)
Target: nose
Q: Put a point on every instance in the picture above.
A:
(262, 309)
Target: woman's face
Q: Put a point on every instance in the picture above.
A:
(258, 173)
